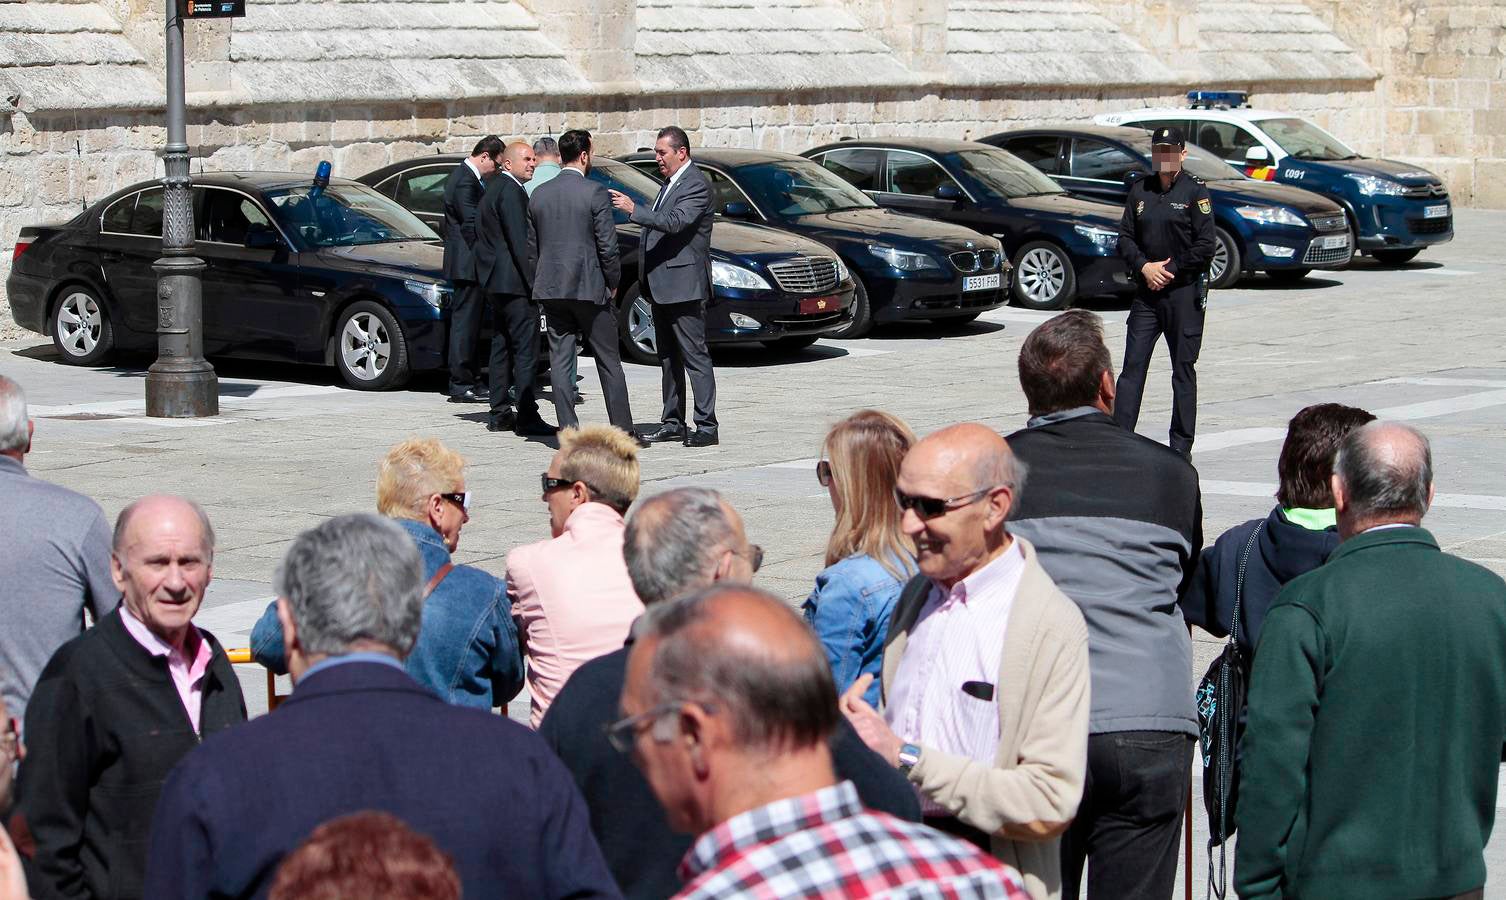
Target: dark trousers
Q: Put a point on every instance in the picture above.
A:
(680, 330)
(597, 322)
(1130, 819)
(467, 305)
(1175, 314)
(515, 347)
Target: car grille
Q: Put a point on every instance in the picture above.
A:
(1430, 226)
(975, 261)
(1428, 191)
(1328, 222)
(1316, 257)
(806, 275)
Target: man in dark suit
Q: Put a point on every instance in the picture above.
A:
(359, 734)
(675, 259)
(572, 248)
(502, 267)
(462, 199)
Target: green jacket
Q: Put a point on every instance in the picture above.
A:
(1376, 728)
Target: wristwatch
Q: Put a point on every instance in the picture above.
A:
(909, 755)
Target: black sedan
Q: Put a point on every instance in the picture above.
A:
(904, 268)
(1063, 247)
(336, 276)
(768, 286)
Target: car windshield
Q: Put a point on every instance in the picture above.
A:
(1199, 162)
(344, 215)
(1305, 140)
(1004, 174)
(790, 188)
(622, 177)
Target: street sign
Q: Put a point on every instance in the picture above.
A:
(212, 9)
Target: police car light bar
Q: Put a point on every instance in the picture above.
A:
(1217, 99)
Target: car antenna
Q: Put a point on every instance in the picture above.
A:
(78, 149)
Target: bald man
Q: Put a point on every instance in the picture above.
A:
(985, 677)
(118, 706)
(729, 709)
(503, 269)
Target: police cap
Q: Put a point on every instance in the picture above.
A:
(1171, 137)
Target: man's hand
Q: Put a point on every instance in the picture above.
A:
(1157, 275)
(869, 725)
(621, 201)
(12, 880)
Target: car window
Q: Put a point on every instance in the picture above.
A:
(1224, 140)
(1305, 140)
(227, 216)
(616, 176)
(860, 168)
(911, 173)
(724, 189)
(344, 215)
(1105, 162)
(1002, 174)
(789, 188)
(1039, 150)
(147, 219)
(118, 217)
(422, 190)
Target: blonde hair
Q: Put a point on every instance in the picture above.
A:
(865, 450)
(414, 471)
(606, 459)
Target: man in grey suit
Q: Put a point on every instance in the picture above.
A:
(572, 249)
(462, 199)
(675, 259)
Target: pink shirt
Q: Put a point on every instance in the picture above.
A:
(574, 599)
(957, 638)
(188, 674)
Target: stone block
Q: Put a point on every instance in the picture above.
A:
(350, 124)
(253, 133)
(307, 159)
(1408, 91)
(1490, 122)
(1490, 183)
(55, 176)
(270, 156)
(16, 183)
(358, 159)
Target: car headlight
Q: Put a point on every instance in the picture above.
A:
(729, 276)
(1104, 239)
(1372, 185)
(434, 293)
(1270, 215)
(842, 273)
(903, 260)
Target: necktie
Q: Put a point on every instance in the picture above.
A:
(662, 191)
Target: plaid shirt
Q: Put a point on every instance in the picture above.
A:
(826, 844)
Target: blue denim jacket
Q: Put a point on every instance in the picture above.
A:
(849, 609)
(467, 650)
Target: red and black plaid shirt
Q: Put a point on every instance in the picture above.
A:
(826, 844)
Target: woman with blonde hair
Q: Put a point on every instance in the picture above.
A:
(868, 558)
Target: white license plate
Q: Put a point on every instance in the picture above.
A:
(1436, 212)
(1333, 242)
(980, 282)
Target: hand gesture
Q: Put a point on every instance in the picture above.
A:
(1157, 274)
(866, 721)
(621, 201)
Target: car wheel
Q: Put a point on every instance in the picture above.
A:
(1288, 276)
(371, 350)
(1394, 257)
(81, 328)
(1043, 277)
(799, 342)
(1224, 270)
(862, 314)
(635, 326)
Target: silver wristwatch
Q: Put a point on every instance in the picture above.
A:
(909, 755)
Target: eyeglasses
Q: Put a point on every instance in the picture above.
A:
(461, 499)
(555, 484)
(823, 472)
(754, 556)
(622, 733)
(11, 738)
(930, 507)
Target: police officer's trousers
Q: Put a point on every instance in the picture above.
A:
(1174, 313)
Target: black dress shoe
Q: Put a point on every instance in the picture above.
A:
(638, 439)
(702, 438)
(665, 434)
(471, 396)
(505, 421)
(534, 427)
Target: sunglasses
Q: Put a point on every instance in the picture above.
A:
(823, 472)
(461, 499)
(754, 556)
(930, 507)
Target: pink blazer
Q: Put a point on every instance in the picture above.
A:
(573, 599)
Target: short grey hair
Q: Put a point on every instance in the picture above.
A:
(673, 541)
(355, 578)
(1387, 470)
(123, 523)
(14, 433)
(546, 146)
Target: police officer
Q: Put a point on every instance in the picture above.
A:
(1166, 235)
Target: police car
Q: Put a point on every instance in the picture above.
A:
(1395, 208)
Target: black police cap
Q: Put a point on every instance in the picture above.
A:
(1169, 136)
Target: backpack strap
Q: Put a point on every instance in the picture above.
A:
(1239, 586)
(449, 567)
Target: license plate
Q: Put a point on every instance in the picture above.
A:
(811, 306)
(1333, 242)
(1436, 212)
(980, 282)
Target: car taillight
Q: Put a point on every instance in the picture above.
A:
(20, 248)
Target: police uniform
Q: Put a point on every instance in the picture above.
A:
(1176, 224)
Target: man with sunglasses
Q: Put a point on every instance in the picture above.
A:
(985, 678)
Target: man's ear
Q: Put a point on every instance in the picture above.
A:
(696, 728)
(1340, 498)
(1000, 501)
(289, 629)
(31, 432)
(117, 572)
(723, 566)
(1106, 386)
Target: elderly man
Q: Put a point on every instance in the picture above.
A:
(729, 708)
(118, 706)
(1377, 703)
(359, 733)
(986, 664)
(467, 650)
(571, 593)
(546, 155)
(54, 560)
(676, 542)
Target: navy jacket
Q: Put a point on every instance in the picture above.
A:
(462, 201)
(364, 736)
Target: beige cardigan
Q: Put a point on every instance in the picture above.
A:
(1029, 795)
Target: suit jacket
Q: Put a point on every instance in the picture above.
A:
(462, 197)
(1030, 794)
(675, 253)
(573, 599)
(364, 735)
(502, 238)
(572, 246)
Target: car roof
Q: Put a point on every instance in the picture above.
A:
(922, 144)
(1242, 114)
(244, 180)
(723, 156)
(1085, 129)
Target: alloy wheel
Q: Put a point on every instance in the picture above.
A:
(365, 346)
(1042, 273)
(79, 323)
(640, 320)
(1220, 261)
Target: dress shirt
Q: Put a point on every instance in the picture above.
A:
(541, 175)
(669, 185)
(364, 656)
(956, 639)
(187, 672)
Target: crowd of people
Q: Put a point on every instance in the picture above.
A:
(987, 693)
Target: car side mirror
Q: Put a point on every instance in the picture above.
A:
(948, 191)
(737, 209)
(1257, 154)
(262, 237)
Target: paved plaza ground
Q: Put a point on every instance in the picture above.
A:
(1421, 344)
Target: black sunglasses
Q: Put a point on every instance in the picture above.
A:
(931, 507)
(823, 472)
(555, 484)
(461, 499)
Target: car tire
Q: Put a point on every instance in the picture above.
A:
(635, 328)
(371, 349)
(862, 314)
(798, 342)
(1287, 276)
(1043, 277)
(81, 327)
(1395, 257)
(1225, 269)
